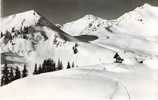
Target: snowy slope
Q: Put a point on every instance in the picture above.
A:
(97, 82)
(66, 84)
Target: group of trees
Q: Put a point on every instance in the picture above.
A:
(70, 66)
(22, 32)
(10, 74)
(49, 65)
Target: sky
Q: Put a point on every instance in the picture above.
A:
(62, 11)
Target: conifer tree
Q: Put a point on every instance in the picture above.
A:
(68, 65)
(53, 67)
(40, 69)
(44, 67)
(13, 30)
(73, 65)
(17, 73)
(48, 65)
(1, 34)
(5, 75)
(8, 35)
(60, 65)
(11, 75)
(35, 70)
(25, 71)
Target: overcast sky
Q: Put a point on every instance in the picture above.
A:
(61, 11)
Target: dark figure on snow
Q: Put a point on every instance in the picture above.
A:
(118, 58)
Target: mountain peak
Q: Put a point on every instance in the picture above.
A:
(26, 13)
(139, 13)
(30, 11)
(27, 18)
(76, 27)
(89, 16)
(145, 5)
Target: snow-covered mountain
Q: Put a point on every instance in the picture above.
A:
(19, 21)
(137, 27)
(79, 26)
(140, 22)
(27, 19)
(43, 39)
